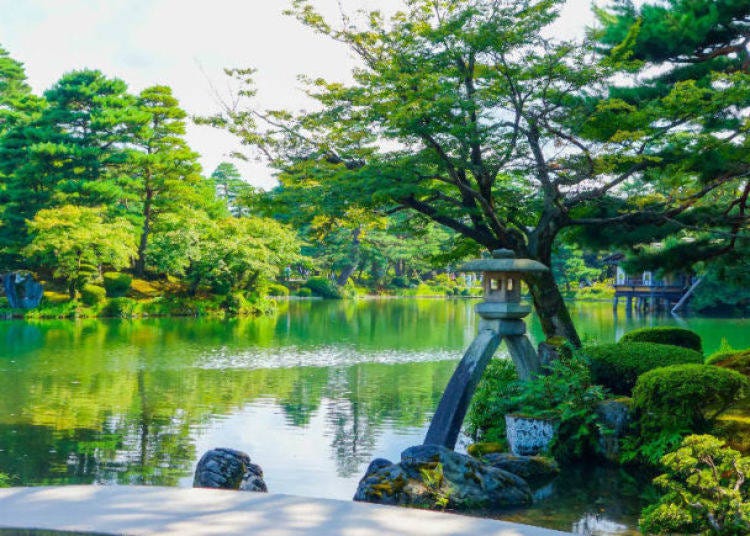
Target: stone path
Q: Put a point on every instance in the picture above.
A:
(173, 511)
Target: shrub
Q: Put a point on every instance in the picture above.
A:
(92, 295)
(706, 491)
(666, 335)
(4, 480)
(120, 308)
(277, 290)
(566, 393)
(492, 400)
(617, 366)
(400, 281)
(670, 402)
(323, 287)
(739, 361)
(304, 292)
(117, 284)
(688, 395)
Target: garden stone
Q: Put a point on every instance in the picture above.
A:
(21, 290)
(615, 416)
(531, 468)
(431, 476)
(228, 469)
(529, 436)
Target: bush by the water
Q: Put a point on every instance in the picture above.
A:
(739, 361)
(92, 295)
(565, 393)
(670, 402)
(121, 308)
(666, 335)
(304, 292)
(617, 366)
(324, 287)
(688, 395)
(117, 284)
(706, 491)
(492, 400)
(277, 290)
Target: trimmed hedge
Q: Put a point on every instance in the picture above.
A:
(686, 396)
(666, 335)
(739, 361)
(92, 295)
(617, 366)
(117, 284)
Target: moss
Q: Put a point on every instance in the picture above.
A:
(480, 449)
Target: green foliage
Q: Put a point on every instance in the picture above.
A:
(666, 335)
(617, 366)
(564, 392)
(304, 292)
(706, 491)
(275, 289)
(4, 481)
(485, 419)
(93, 294)
(670, 402)
(76, 241)
(687, 63)
(121, 308)
(433, 480)
(117, 284)
(738, 360)
(323, 287)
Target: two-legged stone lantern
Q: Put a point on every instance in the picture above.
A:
(502, 318)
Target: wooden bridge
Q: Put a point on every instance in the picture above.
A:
(648, 293)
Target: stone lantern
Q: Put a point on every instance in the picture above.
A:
(502, 315)
(502, 284)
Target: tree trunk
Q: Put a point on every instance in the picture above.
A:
(551, 309)
(140, 264)
(348, 270)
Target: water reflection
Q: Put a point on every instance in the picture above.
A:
(313, 394)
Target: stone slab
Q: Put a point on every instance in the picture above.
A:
(139, 510)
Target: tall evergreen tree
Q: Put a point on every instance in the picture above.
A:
(72, 151)
(162, 170)
(690, 87)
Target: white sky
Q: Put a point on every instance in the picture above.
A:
(174, 42)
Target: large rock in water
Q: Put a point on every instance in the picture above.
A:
(21, 290)
(228, 469)
(431, 476)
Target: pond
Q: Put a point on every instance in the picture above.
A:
(312, 393)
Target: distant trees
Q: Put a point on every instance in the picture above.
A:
(469, 114)
(93, 177)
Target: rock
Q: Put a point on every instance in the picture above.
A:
(21, 290)
(432, 476)
(529, 436)
(614, 415)
(228, 469)
(532, 468)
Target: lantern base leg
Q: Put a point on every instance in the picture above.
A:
(449, 417)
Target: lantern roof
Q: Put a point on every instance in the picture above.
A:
(503, 260)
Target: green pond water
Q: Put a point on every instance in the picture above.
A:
(312, 393)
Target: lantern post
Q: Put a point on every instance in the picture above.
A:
(502, 314)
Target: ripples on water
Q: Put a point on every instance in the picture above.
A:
(313, 394)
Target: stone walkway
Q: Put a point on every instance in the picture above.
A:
(174, 511)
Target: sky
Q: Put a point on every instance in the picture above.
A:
(186, 44)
